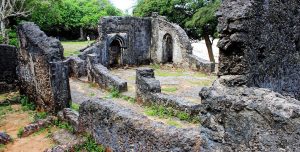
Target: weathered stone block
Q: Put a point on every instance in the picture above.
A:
(5, 138)
(248, 119)
(77, 67)
(148, 92)
(42, 74)
(121, 129)
(101, 75)
(261, 40)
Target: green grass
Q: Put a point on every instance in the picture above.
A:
(75, 106)
(73, 47)
(169, 89)
(89, 145)
(26, 104)
(92, 94)
(64, 125)
(163, 112)
(205, 83)
(163, 73)
(2, 147)
(20, 132)
(93, 85)
(40, 115)
(174, 123)
(5, 109)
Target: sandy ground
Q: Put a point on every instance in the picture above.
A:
(12, 122)
(200, 50)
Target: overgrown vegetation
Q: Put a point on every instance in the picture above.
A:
(64, 125)
(26, 104)
(75, 106)
(167, 113)
(40, 115)
(90, 145)
(114, 93)
(169, 89)
(20, 132)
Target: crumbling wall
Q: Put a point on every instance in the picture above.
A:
(248, 119)
(148, 92)
(258, 48)
(100, 74)
(181, 42)
(8, 64)
(42, 73)
(261, 39)
(122, 129)
(77, 67)
(137, 40)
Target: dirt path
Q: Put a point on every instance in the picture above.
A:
(184, 83)
(15, 120)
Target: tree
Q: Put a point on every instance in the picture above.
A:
(10, 8)
(204, 22)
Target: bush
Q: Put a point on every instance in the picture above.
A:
(26, 104)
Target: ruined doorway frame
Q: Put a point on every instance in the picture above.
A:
(120, 41)
(167, 49)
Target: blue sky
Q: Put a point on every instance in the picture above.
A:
(124, 4)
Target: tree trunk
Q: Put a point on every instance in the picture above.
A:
(3, 32)
(209, 48)
(82, 37)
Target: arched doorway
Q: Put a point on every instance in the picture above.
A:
(115, 51)
(167, 54)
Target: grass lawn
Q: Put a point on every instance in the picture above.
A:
(73, 47)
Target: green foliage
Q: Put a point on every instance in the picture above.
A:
(20, 132)
(75, 106)
(55, 15)
(64, 125)
(5, 109)
(169, 89)
(26, 104)
(163, 112)
(2, 147)
(90, 145)
(196, 16)
(40, 115)
(204, 20)
(173, 123)
(113, 93)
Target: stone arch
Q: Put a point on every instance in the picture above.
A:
(115, 50)
(167, 49)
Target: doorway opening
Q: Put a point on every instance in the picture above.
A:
(167, 54)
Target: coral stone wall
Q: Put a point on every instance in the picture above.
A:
(42, 74)
(261, 39)
(181, 46)
(135, 34)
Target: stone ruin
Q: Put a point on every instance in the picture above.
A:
(43, 75)
(252, 106)
(139, 41)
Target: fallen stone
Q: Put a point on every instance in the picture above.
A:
(36, 126)
(4, 138)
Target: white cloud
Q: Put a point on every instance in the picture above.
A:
(124, 4)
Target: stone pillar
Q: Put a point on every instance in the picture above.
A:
(42, 73)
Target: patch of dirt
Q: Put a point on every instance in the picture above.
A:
(33, 143)
(15, 120)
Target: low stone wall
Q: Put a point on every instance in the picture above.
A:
(242, 118)
(8, 65)
(100, 74)
(42, 74)
(198, 64)
(148, 92)
(77, 67)
(121, 129)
